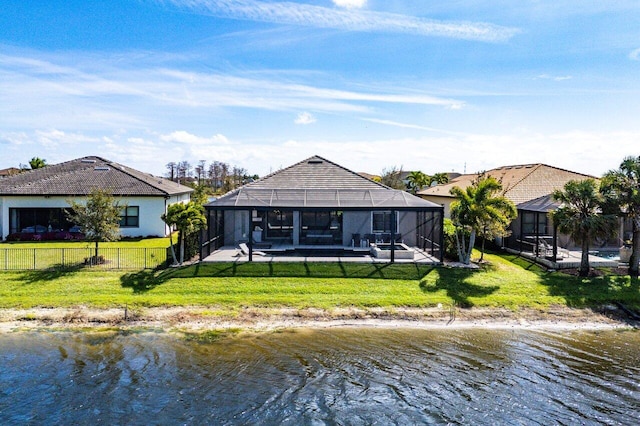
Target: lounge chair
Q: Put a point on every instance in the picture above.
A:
(244, 249)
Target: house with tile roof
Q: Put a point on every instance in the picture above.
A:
(35, 201)
(520, 183)
(9, 172)
(318, 203)
(529, 187)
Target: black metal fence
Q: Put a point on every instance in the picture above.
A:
(107, 258)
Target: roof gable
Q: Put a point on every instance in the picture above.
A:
(82, 175)
(315, 173)
(319, 183)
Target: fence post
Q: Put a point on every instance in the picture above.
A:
(34, 258)
(63, 250)
(145, 258)
(118, 257)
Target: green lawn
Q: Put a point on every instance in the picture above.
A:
(124, 254)
(228, 287)
(129, 242)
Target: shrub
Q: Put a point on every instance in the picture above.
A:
(95, 260)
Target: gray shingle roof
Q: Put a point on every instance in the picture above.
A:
(82, 175)
(319, 183)
(315, 173)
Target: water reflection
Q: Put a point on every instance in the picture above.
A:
(337, 376)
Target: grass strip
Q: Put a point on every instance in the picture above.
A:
(506, 282)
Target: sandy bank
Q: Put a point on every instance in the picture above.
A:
(267, 319)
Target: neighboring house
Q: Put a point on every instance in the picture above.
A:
(35, 201)
(318, 203)
(519, 183)
(529, 187)
(11, 171)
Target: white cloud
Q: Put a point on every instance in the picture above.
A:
(54, 138)
(445, 150)
(14, 138)
(40, 95)
(635, 55)
(290, 13)
(350, 4)
(410, 126)
(187, 138)
(554, 78)
(305, 118)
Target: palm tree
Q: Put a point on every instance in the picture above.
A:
(187, 218)
(479, 209)
(418, 180)
(37, 163)
(580, 216)
(621, 190)
(440, 178)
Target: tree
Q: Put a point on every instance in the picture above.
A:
(183, 171)
(479, 209)
(171, 170)
(200, 170)
(440, 178)
(392, 178)
(580, 216)
(621, 191)
(37, 163)
(200, 195)
(418, 180)
(187, 219)
(98, 218)
(215, 172)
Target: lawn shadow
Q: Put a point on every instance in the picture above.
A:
(594, 292)
(52, 273)
(454, 281)
(146, 280)
(336, 269)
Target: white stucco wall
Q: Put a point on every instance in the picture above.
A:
(150, 211)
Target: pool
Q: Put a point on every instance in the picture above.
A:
(317, 253)
(383, 251)
(606, 254)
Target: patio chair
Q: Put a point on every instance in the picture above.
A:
(545, 250)
(244, 249)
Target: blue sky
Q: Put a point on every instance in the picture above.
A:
(370, 84)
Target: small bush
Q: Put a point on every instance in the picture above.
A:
(95, 260)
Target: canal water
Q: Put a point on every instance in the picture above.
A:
(347, 376)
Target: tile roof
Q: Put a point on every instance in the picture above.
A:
(82, 175)
(520, 183)
(315, 173)
(319, 183)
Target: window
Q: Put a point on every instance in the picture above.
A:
(321, 227)
(529, 223)
(38, 220)
(129, 217)
(279, 224)
(381, 223)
